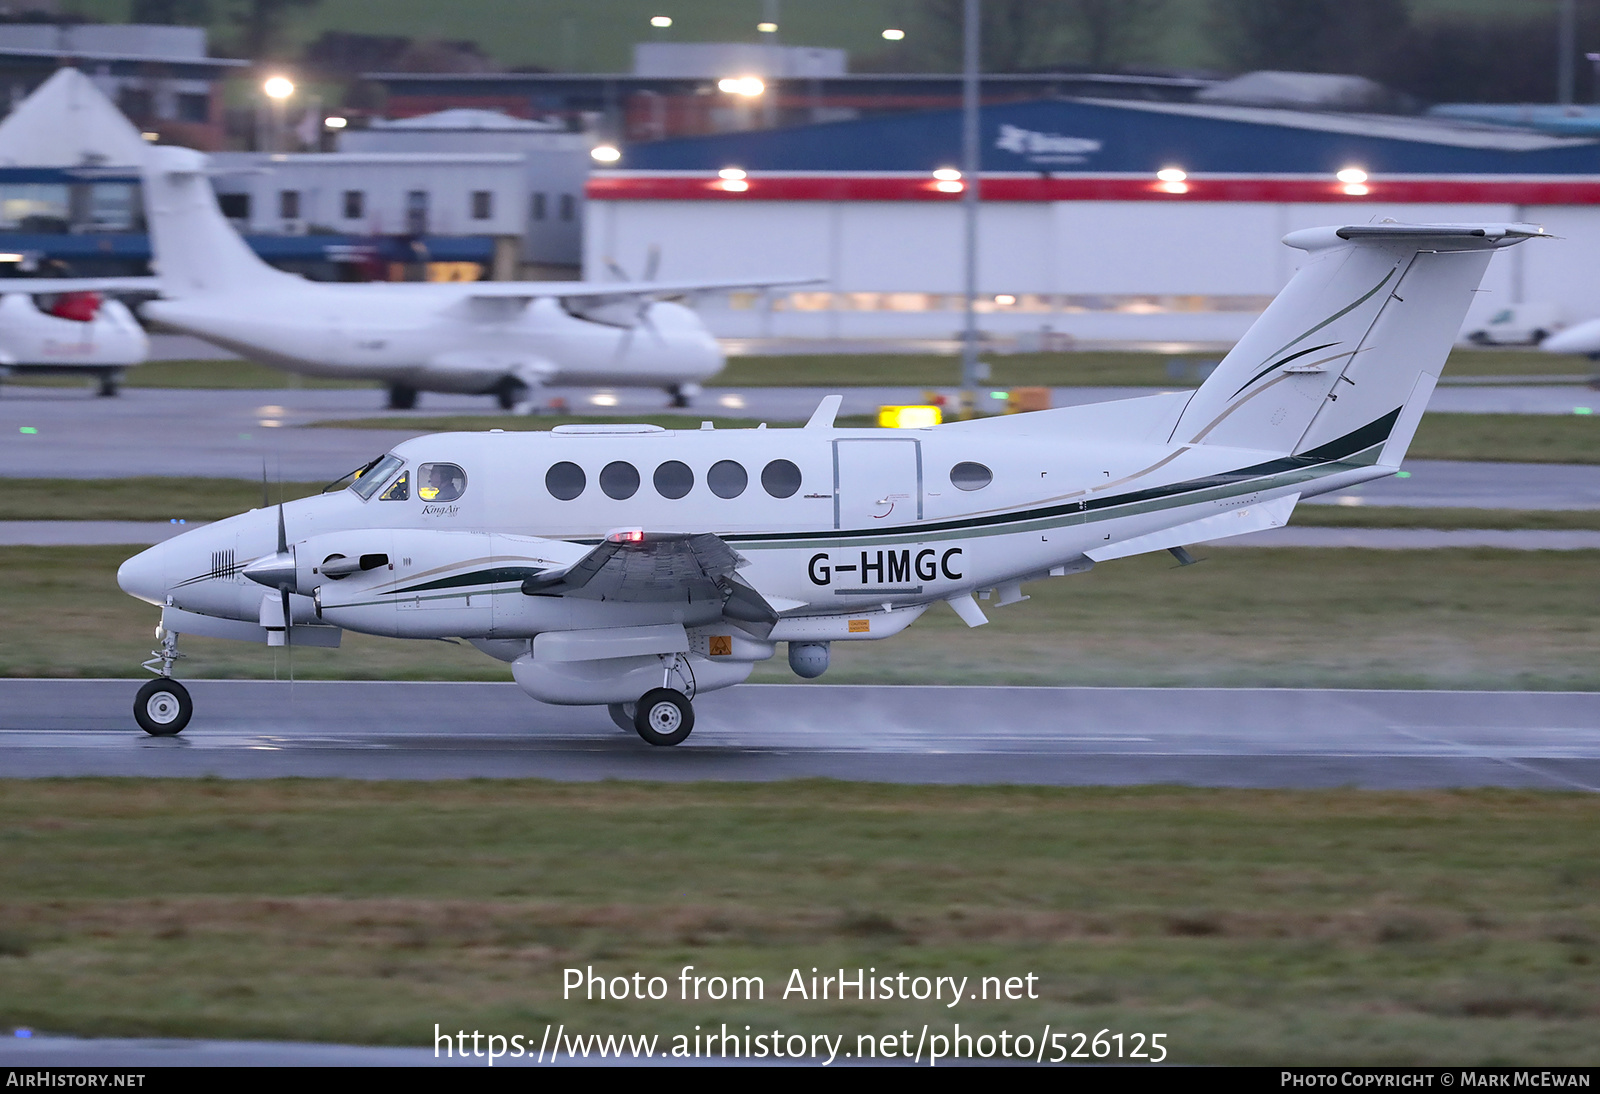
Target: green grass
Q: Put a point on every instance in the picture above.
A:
(1251, 927)
(1519, 438)
(1399, 516)
(141, 498)
(1088, 369)
(1245, 617)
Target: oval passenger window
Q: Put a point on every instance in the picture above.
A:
(673, 479)
(727, 479)
(440, 482)
(780, 478)
(619, 480)
(565, 481)
(970, 476)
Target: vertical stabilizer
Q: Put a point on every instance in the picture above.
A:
(1347, 354)
(196, 250)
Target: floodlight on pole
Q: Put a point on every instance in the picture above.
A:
(970, 167)
(278, 87)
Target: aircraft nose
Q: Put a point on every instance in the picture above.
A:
(145, 575)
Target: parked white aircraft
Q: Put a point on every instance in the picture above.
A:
(82, 333)
(501, 338)
(1581, 338)
(635, 566)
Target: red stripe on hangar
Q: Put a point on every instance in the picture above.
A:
(781, 186)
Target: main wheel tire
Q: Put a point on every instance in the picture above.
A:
(163, 707)
(509, 393)
(622, 715)
(402, 397)
(109, 385)
(663, 717)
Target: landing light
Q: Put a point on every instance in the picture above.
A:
(908, 417)
(605, 153)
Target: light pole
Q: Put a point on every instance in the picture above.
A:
(970, 167)
(277, 90)
(1567, 45)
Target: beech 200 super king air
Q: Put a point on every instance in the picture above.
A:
(500, 338)
(634, 566)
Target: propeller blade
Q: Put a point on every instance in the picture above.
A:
(283, 538)
(624, 344)
(288, 623)
(652, 262)
(617, 272)
(266, 498)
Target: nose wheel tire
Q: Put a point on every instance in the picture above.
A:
(622, 714)
(163, 707)
(663, 717)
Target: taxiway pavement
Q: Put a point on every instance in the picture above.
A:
(1045, 736)
(228, 434)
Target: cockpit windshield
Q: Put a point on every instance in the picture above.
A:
(375, 475)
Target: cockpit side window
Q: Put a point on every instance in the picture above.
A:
(375, 475)
(400, 490)
(440, 482)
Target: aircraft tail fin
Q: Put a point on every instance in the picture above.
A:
(196, 249)
(1344, 359)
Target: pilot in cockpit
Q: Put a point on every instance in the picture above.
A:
(443, 482)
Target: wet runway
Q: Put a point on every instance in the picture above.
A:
(1047, 736)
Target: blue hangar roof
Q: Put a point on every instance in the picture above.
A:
(1113, 136)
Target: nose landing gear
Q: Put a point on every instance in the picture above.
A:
(163, 707)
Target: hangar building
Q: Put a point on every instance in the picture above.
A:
(1079, 236)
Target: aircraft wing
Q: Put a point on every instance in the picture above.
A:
(658, 567)
(594, 293)
(35, 286)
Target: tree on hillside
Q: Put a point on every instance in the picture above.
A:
(171, 12)
(1021, 35)
(261, 24)
(1358, 36)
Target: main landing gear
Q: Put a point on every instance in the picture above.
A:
(662, 716)
(163, 707)
(402, 397)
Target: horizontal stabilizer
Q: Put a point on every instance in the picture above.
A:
(1232, 522)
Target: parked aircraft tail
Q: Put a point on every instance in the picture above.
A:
(196, 249)
(1347, 354)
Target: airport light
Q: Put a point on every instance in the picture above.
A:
(947, 180)
(151, 137)
(1172, 174)
(1351, 175)
(767, 28)
(748, 86)
(605, 153)
(335, 122)
(908, 417)
(947, 174)
(734, 186)
(10, 257)
(894, 35)
(731, 173)
(661, 21)
(1005, 300)
(278, 87)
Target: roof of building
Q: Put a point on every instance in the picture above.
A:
(1122, 135)
(68, 122)
(466, 118)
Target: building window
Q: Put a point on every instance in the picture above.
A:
(235, 206)
(417, 212)
(482, 204)
(135, 102)
(538, 207)
(289, 204)
(568, 204)
(194, 107)
(355, 204)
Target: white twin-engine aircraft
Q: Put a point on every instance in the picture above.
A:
(81, 333)
(634, 566)
(500, 338)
